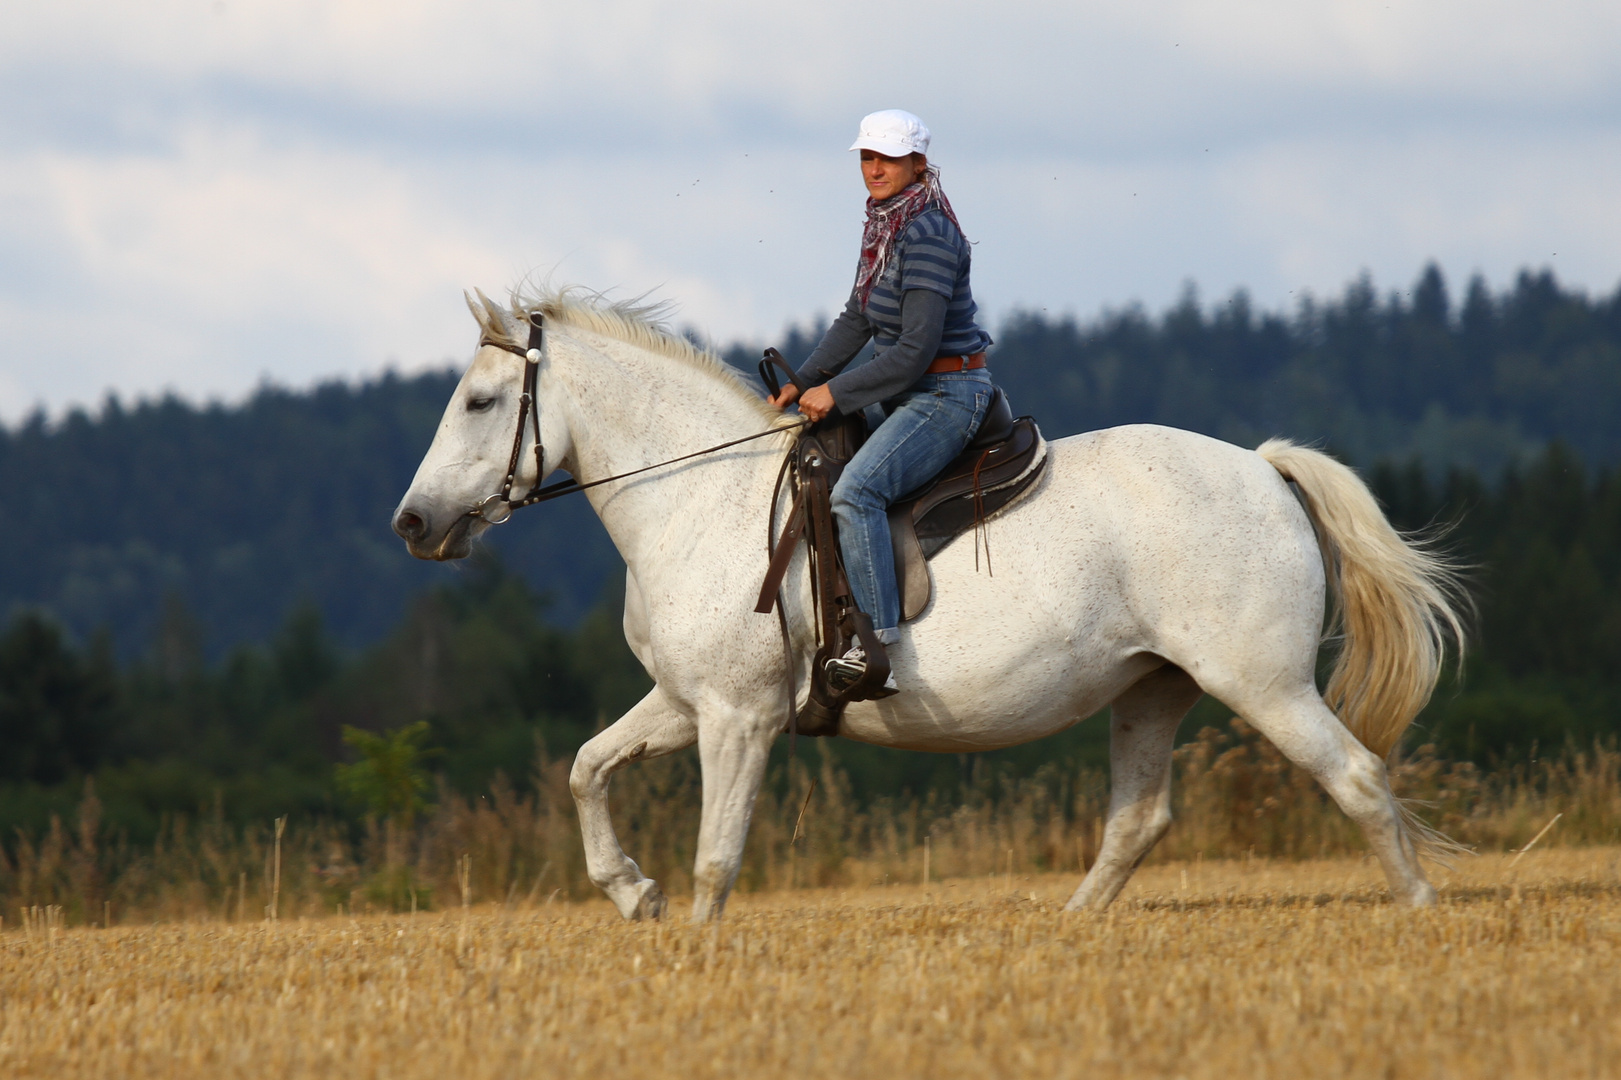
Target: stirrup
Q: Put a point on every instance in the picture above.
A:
(845, 671)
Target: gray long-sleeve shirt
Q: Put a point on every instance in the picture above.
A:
(891, 370)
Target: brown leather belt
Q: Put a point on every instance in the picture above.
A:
(943, 364)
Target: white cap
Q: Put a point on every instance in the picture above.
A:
(892, 133)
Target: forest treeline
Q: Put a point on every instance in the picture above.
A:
(200, 599)
(1476, 383)
(245, 512)
(257, 732)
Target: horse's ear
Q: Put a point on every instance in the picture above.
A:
(494, 318)
(478, 312)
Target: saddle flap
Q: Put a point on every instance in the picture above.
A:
(911, 566)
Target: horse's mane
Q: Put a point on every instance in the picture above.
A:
(636, 321)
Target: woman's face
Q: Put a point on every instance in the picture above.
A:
(887, 177)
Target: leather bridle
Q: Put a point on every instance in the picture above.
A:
(497, 508)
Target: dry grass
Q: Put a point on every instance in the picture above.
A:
(1236, 797)
(1204, 969)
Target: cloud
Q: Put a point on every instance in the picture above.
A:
(1059, 71)
(232, 190)
(204, 269)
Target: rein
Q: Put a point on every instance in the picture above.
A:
(499, 507)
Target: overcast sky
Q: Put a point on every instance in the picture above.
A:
(201, 194)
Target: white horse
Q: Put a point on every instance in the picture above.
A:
(1147, 567)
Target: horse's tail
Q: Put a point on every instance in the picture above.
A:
(1395, 600)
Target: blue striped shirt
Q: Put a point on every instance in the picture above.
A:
(932, 255)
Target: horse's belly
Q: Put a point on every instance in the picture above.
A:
(973, 710)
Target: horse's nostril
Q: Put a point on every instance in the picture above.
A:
(410, 525)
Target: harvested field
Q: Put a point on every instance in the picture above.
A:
(1203, 969)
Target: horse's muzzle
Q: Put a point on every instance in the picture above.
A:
(417, 529)
(410, 526)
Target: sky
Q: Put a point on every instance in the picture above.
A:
(199, 196)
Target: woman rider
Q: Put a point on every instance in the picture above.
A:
(911, 298)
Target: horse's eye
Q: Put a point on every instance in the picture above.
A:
(480, 404)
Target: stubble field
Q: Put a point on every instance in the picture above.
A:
(1205, 969)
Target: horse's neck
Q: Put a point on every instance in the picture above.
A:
(631, 409)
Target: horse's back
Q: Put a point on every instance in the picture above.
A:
(1149, 466)
(1146, 491)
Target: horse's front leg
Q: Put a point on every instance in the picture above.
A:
(651, 729)
(733, 747)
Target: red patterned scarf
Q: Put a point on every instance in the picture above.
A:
(887, 220)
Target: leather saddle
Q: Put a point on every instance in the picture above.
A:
(1005, 457)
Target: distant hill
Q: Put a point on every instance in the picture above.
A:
(243, 513)
(225, 519)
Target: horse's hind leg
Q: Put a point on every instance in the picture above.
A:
(651, 729)
(1308, 733)
(1142, 730)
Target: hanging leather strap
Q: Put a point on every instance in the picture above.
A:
(980, 528)
(782, 556)
(823, 546)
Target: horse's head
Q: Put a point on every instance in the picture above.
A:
(468, 461)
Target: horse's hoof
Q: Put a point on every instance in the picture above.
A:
(652, 903)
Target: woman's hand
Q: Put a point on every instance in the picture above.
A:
(785, 397)
(817, 402)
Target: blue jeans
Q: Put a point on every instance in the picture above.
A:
(927, 426)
